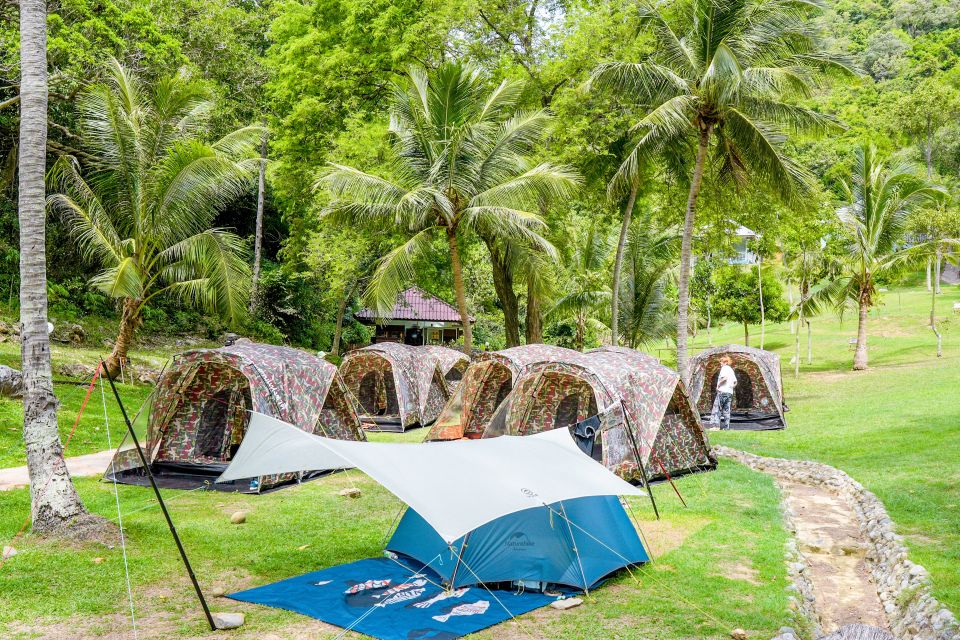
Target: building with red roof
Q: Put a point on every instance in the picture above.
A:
(417, 318)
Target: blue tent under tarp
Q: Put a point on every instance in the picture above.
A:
(575, 543)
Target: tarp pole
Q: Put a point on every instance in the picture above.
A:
(456, 567)
(163, 506)
(636, 452)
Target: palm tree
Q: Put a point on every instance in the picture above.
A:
(54, 500)
(143, 212)
(721, 79)
(461, 166)
(587, 291)
(879, 198)
(647, 313)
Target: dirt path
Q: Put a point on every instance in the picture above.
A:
(92, 464)
(833, 549)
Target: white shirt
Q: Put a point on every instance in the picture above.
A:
(727, 379)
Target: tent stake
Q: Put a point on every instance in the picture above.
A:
(636, 452)
(163, 506)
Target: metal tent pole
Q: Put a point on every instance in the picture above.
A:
(636, 452)
(163, 506)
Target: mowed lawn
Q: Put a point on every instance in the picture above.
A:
(895, 428)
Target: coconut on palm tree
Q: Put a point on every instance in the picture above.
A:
(879, 196)
(143, 210)
(720, 84)
(461, 166)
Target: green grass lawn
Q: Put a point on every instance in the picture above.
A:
(895, 428)
(719, 564)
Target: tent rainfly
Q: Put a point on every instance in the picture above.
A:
(521, 510)
(618, 402)
(453, 363)
(486, 383)
(394, 385)
(199, 413)
(758, 397)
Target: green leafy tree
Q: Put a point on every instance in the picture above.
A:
(879, 196)
(723, 78)
(924, 111)
(586, 289)
(144, 210)
(647, 313)
(739, 298)
(461, 166)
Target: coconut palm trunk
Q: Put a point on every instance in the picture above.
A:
(54, 500)
(338, 331)
(130, 321)
(933, 319)
(860, 355)
(534, 326)
(258, 233)
(686, 254)
(459, 290)
(618, 266)
(937, 270)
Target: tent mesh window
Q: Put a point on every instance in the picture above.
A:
(202, 423)
(560, 400)
(494, 388)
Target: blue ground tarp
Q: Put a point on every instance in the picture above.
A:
(392, 601)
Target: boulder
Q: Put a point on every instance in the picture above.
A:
(566, 603)
(238, 517)
(11, 382)
(228, 620)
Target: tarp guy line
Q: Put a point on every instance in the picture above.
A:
(116, 495)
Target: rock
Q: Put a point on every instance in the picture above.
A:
(738, 634)
(11, 382)
(351, 492)
(303, 547)
(230, 339)
(566, 603)
(228, 620)
(8, 552)
(239, 517)
(218, 591)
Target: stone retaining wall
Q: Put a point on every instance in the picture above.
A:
(903, 587)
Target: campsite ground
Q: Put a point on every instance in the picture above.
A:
(719, 563)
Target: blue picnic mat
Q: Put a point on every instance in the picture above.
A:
(391, 601)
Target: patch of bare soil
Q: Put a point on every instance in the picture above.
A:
(739, 571)
(663, 537)
(84, 529)
(834, 551)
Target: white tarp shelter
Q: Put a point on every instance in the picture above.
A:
(455, 486)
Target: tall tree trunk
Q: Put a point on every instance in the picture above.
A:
(581, 331)
(459, 291)
(533, 331)
(809, 343)
(709, 319)
(763, 315)
(686, 254)
(860, 355)
(341, 311)
(129, 323)
(928, 150)
(937, 270)
(618, 266)
(796, 348)
(53, 498)
(258, 233)
(929, 274)
(746, 334)
(793, 323)
(933, 323)
(503, 286)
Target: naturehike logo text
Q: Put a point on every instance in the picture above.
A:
(519, 542)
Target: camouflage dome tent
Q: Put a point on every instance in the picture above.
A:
(618, 388)
(395, 385)
(486, 383)
(453, 363)
(758, 397)
(199, 413)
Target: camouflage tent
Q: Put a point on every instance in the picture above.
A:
(198, 414)
(758, 398)
(453, 363)
(394, 385)
(625, 393)
(486, 383)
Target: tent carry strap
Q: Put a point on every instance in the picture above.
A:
(163, 506)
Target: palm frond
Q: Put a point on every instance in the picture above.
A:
(395, 272)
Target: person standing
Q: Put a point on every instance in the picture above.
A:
(726, 382)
